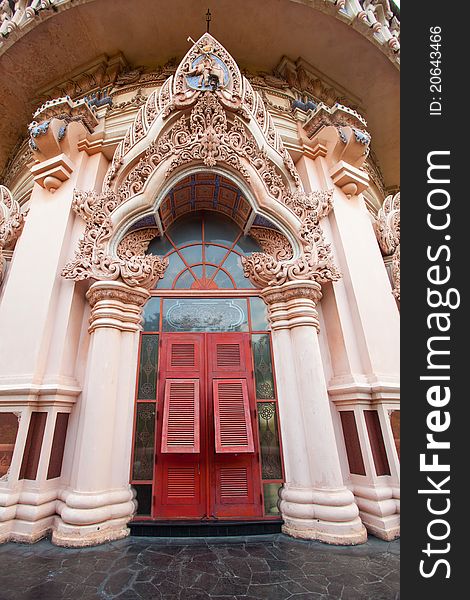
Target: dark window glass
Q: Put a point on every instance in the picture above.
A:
(220, 230)
(144, 499)
(147, 387)
(269, 441)
(192, 254)
(259, 314)
(144, 441)
(151, 316)
(271, 498)
(175, 266)
(32, 449)
(215, 254)
(58, 446)
(263, 366)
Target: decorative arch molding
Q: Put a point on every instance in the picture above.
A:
(205, 116)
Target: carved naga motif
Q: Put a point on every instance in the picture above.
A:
(11, 224)
(273, 268)
(93, 261)
(387, 230)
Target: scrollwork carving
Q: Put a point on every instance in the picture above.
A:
(93, 261)
(315, 263)
(209, 137)
(387, 230)
(11, 224)
(136, 242)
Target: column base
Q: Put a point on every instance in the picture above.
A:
(80, 536)
(340, 534)
(327, 515)
(25, 532)
(385, 528)
(379, 510)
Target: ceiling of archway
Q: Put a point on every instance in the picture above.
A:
(204, 192)
(257, 34)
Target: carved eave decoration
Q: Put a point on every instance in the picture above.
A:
(387, 230)
(11, 224)
(277, 265)
(92, 260)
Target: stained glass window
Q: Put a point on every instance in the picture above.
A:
(271, 498)
(204, 252)
(144, 441)
(269, 441)
(147, 387)
(263, 367)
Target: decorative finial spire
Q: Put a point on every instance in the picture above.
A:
(208, 19)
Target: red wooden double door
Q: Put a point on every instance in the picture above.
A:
(207, 460)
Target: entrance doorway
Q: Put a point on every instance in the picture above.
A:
(207, 459)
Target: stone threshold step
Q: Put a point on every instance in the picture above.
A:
(203, 528)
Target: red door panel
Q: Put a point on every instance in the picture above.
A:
(181, 426)
(233, 431)
(206, 437)
(235, 472)
(180, 487)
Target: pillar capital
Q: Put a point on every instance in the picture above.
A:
(115, 304)
(293, 304)
(54, 132)
(340, 135)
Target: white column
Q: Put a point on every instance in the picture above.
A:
(99, 502)
(315, 504)
(361, 321)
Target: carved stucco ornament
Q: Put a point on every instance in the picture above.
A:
(387, 230)
(11, 224)
(92, 260)
(215, 130)
(136, 242)
(272, 268)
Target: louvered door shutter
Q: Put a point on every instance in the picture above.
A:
(233, 432)
(180, 433)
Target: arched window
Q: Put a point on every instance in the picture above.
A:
(204, 251)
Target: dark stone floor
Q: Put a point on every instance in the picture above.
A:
(272, 567)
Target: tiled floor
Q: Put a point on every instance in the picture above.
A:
(272, 567)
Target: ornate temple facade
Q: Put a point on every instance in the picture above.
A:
(199, 272)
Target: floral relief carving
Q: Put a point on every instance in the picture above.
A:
(272, 242)
(208, 82)
(136, 243)
(387, 230)
(315, 262)
(92, 259)
(11, 224)
(209, 137)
